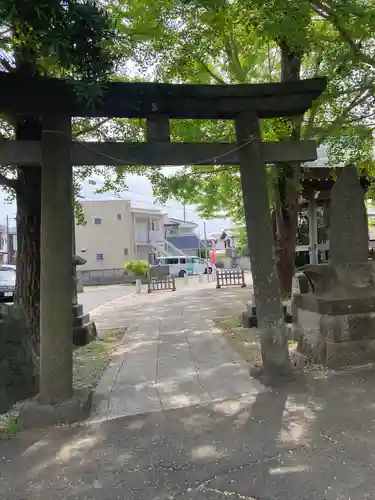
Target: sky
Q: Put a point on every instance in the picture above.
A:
(140, 194)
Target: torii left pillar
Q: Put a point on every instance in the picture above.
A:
(56, 401)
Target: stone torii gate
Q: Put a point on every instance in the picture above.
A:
(56, 102)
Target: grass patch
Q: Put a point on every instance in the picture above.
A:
(90, 361)
(9, 426)
(244, 341)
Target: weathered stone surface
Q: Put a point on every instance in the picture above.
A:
(348, 220)
(77, 310)
(18, 360)
(336, 318)
(78, 260)
(249, 317)
(336, 304)
(343, 354)
(35, 415)
(83, 334)
(328, 338)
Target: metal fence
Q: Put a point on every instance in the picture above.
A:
(229, 277)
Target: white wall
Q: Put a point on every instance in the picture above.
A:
(112, 239)
(148, 226)
(242, 262)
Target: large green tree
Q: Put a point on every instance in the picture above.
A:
(217, 41)
(73, 40)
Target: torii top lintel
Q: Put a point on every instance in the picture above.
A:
(34, 95)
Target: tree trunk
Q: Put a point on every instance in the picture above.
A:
(28, 230)
(286, 196)
(288, 187)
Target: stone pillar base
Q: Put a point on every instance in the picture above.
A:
(338, 355)
(336, 332)
(84, 334)
(84, 330)
(249, 318)
(34, 415)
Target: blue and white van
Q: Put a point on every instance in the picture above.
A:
(180, 265)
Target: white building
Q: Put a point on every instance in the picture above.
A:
(114, 234)
(148, 231)
(222, 242)
(181, 238)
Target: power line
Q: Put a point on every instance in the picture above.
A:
(122, 160)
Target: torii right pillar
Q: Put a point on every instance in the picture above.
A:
(260, 241)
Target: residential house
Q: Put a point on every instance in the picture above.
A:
(115, 233)
(8, 244)
(222, 243)
(148, 231)
(106, 240)
(180, 237)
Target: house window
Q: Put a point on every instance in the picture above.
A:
(119, 216)
(99, 256)
(92, 182)
(126, 251)
(97, 220)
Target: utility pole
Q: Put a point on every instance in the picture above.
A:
(7, 240)
(184, 207)
(205, 248)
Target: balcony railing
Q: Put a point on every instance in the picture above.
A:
(152, 237)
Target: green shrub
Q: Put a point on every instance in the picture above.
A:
(137, 267)
(204, 253)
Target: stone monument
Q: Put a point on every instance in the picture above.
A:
(334, 313)
(84, 329)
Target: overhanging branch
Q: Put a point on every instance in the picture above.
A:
(91, 128)
(328, 13)
(7, 182)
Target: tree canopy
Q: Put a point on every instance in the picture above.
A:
(217, 41)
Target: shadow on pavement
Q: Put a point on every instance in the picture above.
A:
(311, 439)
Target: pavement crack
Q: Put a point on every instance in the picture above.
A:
(157, 367)
(124, 359)
(226, 493)
(196, 368)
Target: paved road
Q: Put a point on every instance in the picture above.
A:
(94, 297)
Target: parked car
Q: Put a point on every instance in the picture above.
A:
(7, 283)
(181, 265)
(8, 266)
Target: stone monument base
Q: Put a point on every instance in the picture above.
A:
(249, 317)
(84, 334)
(34, 415)
(336, 331)
(84, 330)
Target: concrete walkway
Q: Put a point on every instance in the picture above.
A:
(172, 356)
(310, 439)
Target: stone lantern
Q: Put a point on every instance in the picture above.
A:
(84, 330)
